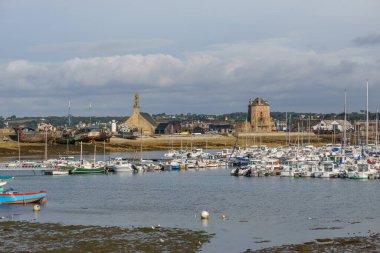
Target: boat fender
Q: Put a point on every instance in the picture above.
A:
(36, 208)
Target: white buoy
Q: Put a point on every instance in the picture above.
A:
(205, 215)
(36, 208)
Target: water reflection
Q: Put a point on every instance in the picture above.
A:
(204, 222)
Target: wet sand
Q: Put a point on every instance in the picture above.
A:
(368, 244)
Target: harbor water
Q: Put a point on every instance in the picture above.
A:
(245, 213)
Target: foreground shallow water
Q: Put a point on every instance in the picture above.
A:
(259, 212)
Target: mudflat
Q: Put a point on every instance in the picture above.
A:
(159, 142)
(22, 236)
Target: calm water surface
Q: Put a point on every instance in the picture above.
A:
(271, 209)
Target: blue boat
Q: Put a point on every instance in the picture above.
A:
(13, 197)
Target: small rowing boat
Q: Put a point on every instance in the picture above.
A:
(13, 197)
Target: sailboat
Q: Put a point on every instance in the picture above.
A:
(87, 167)
(364, 168)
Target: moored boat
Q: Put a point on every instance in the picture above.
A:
(81, 170)
(13, 197)
(6, 177)
(364, 171)
(57, 172)
(122, 165)
(92, 134)
(28, 134)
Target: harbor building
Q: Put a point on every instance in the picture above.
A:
(330, 126)
(259, 118)
(141, 121)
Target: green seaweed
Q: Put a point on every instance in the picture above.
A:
(48, 237)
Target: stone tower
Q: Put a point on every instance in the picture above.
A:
(259, 115)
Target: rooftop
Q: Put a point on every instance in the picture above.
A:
(258, 101)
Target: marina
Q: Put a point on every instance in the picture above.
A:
(177, 126)
(272, 190)
(245, 213)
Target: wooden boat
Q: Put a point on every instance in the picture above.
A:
(27, 134)
(80, 170)
(65, 140)
(13, 197)
(92, 134)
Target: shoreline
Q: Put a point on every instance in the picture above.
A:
(53, 237)
(10, 149)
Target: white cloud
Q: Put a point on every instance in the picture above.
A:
(102, 46)
(218, 80)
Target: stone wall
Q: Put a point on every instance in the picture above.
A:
(259, 118)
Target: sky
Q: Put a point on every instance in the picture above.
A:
(199, 56)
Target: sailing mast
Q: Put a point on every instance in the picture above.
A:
(366, 130)
(46, 144)
(345, 118)
(141, 145)
(286, 123)
(104, 151)
(68, 127)
(81, 154)
(68, 114)
(19, 147)
(94, 153)
(377, 126)
(89, 112)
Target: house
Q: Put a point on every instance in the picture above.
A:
(330, 126)
(198, 130)
(164, 128)
(221, 128)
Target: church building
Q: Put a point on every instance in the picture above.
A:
(141, 120)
